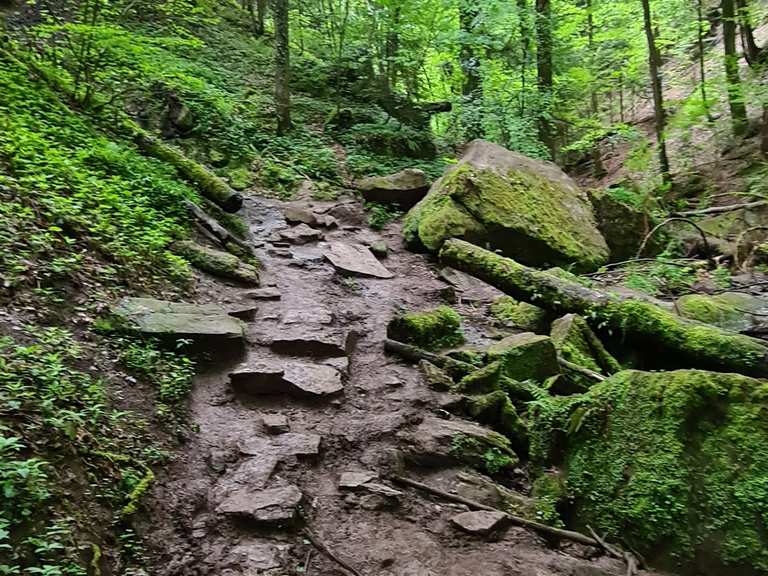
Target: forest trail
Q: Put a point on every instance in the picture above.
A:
(237, 462)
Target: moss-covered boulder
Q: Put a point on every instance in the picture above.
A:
(576, 343)
(623, 226)
(526, 356)
(675, 464)
(431, 330)
(528, 209)
(520, 315)
(732, 310)
(497, 411)
(405, 188)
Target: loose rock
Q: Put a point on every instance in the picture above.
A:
(276, 506)
(405, 188)
(264, 294)
(480, 522)
(355, 259)
(301, 234)
(276, 424)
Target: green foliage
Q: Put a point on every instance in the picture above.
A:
(662, 278)
(170, 373)
(379, 215)
(56, 423)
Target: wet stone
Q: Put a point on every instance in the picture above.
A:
(301, 234)
(480, 522)
(352, 480)
(276, 424)
(264, 294)
(296, 379)
(301, 340)
(252, 472)
(355, 259)
(297, 215)
(321, 316)
(276, 506)
(261, 378)
(283, 446)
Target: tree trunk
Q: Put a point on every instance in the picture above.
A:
(752, 51)
(545, 72)
(525, 46)
(470, 66)
(735, 90)
(702, 60)
(689, 343)
(261, 15)
(654, 66)
(282, 66)
(598, 170)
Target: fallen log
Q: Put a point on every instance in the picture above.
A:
(691, 343)
(720, 209)
(455, 368)
(222, 235)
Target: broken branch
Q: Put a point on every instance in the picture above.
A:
(317, 543)
(721, 209)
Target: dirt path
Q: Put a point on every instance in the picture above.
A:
(234, 463)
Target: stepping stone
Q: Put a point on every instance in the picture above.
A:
(352, 480)
(252, 472)
(296, 379)
(276, 506)
(301, 234)
(256, 556)
(297, 215)
(283, 446)
(355, 259)
(480, 522)
(303, 340)
(314, 316)
(264, 294)
(201, 323)
(276, 424)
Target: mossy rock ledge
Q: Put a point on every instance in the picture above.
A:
(674, 464)
(431, 329)
(528, 209)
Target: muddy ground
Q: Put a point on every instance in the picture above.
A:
(234, 461)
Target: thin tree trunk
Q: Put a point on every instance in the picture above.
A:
(545, 72)
(470, 66)
(735, 90)
(702, 60)
(598, 170)
(654, 65)
(282, 65)
(261, 15)
(525, 45)
(751, 49)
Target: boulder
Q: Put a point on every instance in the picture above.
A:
(201, 323)
(480, 522)
(526, 356)
(405, 188)
(623, 226)
(297, 215)
(674, 462)
(496, 410)
(308, 340)
(431, 329)
(527, 209)
(520, 315)
(355, 259)
(437, 442)
(435, 377)
(301, 234)
(734, 311)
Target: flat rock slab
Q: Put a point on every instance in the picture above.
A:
(264, 294)
(432, 442)
(193, 321)
(469, 288)
(298, 215)
(284, 446)
(352, 480)
(301, 234)
(294, 379)
(258, 556)
(252, 472)
(276, 506)
(315, 341)
(480, 522)
(355, 259)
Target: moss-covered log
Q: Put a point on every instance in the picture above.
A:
(210, 185)
(217, 263)
(691, 343)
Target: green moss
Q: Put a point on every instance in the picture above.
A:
(138, 492)
(217, 263)
(431, 330)
(576, 343)
(729, 311)
(492, 452)
(496, 410)
(675, 464)
(549, 491)
(481, 381)
(526, 356)
(519, 314)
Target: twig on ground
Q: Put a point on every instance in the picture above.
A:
(317, 543)
(628, 557)
(720, 209)
(541, 528)
(307, 561)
